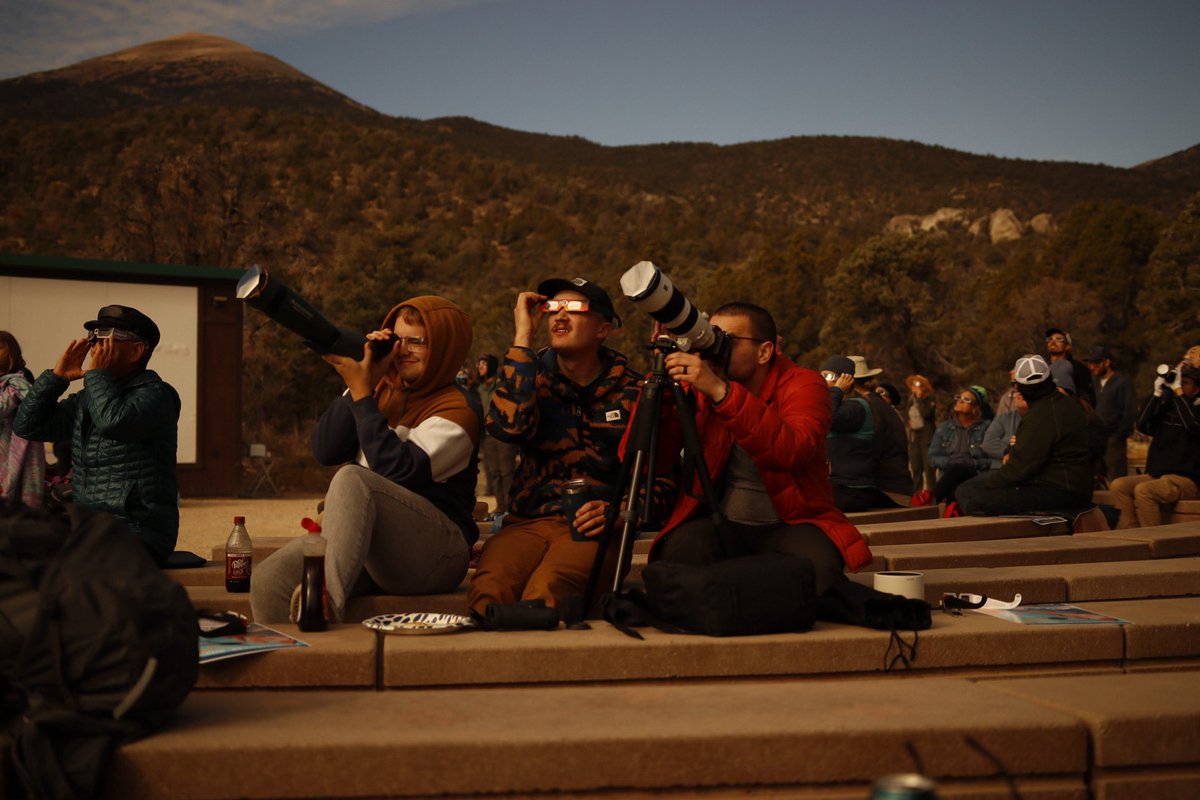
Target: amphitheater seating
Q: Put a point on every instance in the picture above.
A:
(1054, 711)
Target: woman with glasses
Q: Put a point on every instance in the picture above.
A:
(398, 514)
(956, 451)
(22, 463)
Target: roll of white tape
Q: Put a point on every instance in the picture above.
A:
(906, 584)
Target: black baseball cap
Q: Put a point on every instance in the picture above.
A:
(598, 299)
(839, 365)
(126, 319)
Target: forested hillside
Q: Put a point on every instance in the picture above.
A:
(357, 210)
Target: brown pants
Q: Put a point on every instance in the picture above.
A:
(1140, 498)
(531, 559)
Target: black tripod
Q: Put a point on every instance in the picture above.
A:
(638, 470)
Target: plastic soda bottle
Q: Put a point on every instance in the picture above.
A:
(312, 586)
(239, 558)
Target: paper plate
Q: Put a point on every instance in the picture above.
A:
(419, 622)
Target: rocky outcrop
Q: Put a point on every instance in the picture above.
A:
(1001, 225)
(906, 224)
(1043, 224)
(1004, 226)
(944, 218)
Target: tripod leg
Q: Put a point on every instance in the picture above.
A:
(694, 451)
(641, 434)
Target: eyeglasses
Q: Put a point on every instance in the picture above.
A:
(955, 602)
(1058, 339)
(112, 333)
(570, 306)
(829, 376)
(413, 342)
(968, 400)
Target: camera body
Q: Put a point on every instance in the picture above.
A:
(1166, 372)
(269, 295)
(651, 290)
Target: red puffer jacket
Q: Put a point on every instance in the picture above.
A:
(783, 429)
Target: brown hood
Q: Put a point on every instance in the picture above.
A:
(448, 328)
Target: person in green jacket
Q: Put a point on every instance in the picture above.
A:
(123, 425)
(1048, 468)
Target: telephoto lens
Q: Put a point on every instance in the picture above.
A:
(269, 295)
(1166, 372)
(651, 290)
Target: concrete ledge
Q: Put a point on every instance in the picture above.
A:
(342, 657)
(1161, 629)
(1181, 783)
(570, 739)
(1045, 587)
(1165, 541)
(263, 547)
(1007, 553)
(957, 529)
(1134, 720)
(211, 575)
(215, 598)
(971, 643)
(1060, 583)
(860, 518)
(358, 609)
(367, 606)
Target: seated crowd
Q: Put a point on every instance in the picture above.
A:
(789, 451)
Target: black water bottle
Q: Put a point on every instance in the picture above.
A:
(312, 586)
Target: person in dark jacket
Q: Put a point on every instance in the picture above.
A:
(1172, 472)
(921, 412)
(957, 447)
(123, 425)
(1059, 348)
(1117, 407)
(398, 513)
(1048, 467)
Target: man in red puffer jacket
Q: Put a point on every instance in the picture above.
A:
(762, 422)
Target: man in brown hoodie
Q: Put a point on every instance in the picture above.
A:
(398, 514)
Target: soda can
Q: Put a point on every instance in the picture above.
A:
(908, 786)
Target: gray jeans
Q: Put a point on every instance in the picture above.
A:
(379, 536)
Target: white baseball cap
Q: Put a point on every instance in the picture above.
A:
(1031, 369)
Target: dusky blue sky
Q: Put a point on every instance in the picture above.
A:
(1075, 80)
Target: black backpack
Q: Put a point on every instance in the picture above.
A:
(97, 646)
(765, 593)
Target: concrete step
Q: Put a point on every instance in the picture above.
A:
(1061, 583)
(763, 738)
(1165, 541)
(970, 643)
(860, 518)
(1007, 552)
(957, 529)
(212, 574)
(588, 738)
(263, 547)
(358, 609)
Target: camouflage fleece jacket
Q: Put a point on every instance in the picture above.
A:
(565, 431)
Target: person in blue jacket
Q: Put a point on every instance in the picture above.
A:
(123, 425)
(956, 451)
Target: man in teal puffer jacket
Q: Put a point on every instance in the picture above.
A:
(123, 426)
